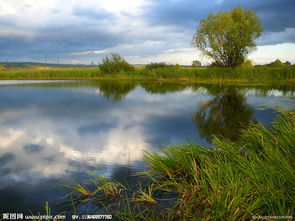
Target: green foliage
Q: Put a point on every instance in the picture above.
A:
(35, 65)
(278, 64)
(104, 192)
(50, 74)
(260, 73)
(216, 64)
(247, 64)
(153, 66)
(228, 37)
(162, 70)
(229, 181)
(232, 181)
(113, 64)
(287, 63)
(196, 63)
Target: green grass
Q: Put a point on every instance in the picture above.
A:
(229, 181)
(165, 73)
(49, 74)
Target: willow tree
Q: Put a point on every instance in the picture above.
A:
(229, 36)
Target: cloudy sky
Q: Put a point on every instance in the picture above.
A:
(143, 31)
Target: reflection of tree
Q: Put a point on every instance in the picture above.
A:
(162, 88)
(224, 115)
(115, 90)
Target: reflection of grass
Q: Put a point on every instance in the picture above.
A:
(260, 108)
(287, 98)
(230, 181)
(287, 104)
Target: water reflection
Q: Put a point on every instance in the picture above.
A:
(55, 130)
(115, 90)
(162, 88)
(224, 115)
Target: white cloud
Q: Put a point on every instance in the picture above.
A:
(8, 137)
(82, 31)
(126, 6)
(88, 52)
(268, 53)
(183, 56)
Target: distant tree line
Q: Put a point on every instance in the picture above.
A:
(277, 64)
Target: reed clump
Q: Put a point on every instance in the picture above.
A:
(114, 63)
(253, 176)
(153, 66)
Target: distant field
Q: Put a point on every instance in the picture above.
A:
(32, 65)
(201, 74)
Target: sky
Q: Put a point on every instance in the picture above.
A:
(143, 31)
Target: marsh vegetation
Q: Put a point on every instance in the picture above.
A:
(259, 74)
(254, 175)
(245, 169)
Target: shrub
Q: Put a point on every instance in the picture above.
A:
(287, 63)
(196, 63)
(276, 64)
(216, 64)
(114, 63)
(153, 66)
(247, 64)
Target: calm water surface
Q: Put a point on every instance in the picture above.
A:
(56, 130)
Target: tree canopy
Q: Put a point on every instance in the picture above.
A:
(196, 63)
(229, 36)
(278, 64)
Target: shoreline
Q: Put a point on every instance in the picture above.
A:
(288, 82)
(221, 75)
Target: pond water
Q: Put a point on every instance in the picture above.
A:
(56, 130)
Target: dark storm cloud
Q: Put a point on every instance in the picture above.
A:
(33, 148)
(275, 15)
(64, 40)
(88, 28)
(9, 45)
(6, 158)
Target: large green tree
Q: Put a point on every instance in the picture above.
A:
(229, 36)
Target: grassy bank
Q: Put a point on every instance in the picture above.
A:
(171, 73)
(253, 176)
